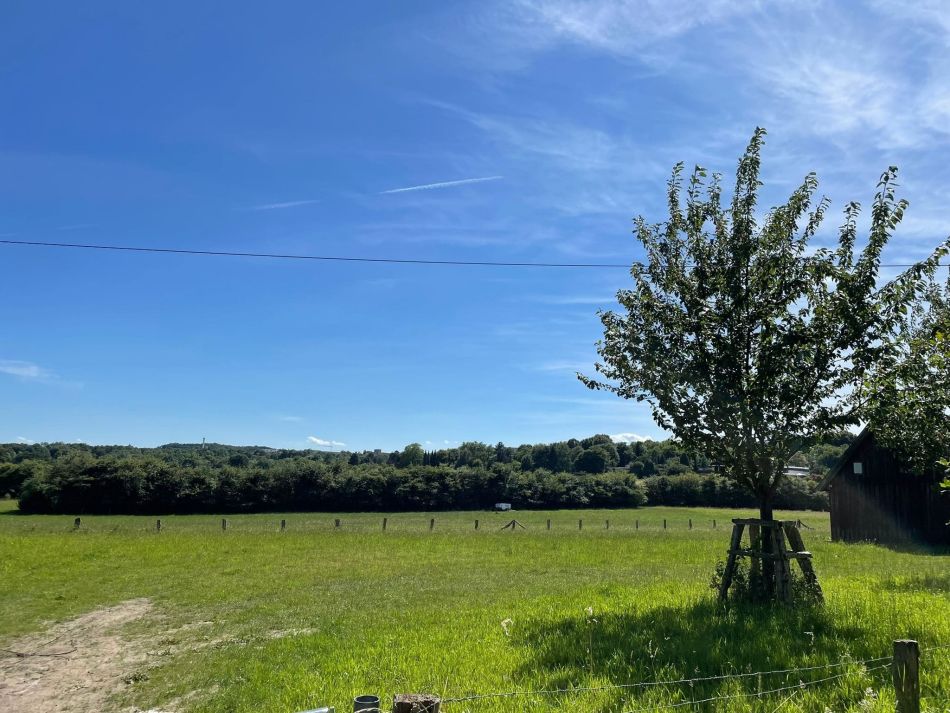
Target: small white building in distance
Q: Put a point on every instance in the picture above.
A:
(502, 507)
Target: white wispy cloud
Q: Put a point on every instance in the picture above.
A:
(627, 437)
(616, 26)
(289, 419)
(325, 443)
(25, 441)
(578, 169)
(442, 184)
(284, 204)
(25, 370)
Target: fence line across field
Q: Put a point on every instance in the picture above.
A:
(284, 524)
(907, 651)
(749, 694)
(883, 660)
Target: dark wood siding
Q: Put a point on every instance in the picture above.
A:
(884, 503)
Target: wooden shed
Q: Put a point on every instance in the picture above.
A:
(874, 497)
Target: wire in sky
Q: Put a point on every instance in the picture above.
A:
(340, 258)
(330, 258)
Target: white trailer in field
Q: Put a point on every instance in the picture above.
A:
(502, 507)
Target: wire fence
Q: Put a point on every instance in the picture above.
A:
(865, 667)
(882, 661)
(485, 523)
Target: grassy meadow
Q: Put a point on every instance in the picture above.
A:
(253, 619)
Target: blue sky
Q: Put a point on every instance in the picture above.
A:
(288, 128)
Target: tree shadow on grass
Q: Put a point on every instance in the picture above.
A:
(693, 641)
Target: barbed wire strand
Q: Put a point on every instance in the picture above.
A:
(749, 694)
(647, 684)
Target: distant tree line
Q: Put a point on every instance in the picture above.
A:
(186, 478)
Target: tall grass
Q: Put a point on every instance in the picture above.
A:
(316, 615)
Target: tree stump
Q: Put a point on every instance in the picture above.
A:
(416, 703)
(772, 533)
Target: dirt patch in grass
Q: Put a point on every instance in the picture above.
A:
(75, 666)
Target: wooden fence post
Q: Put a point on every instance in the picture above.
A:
(416, 703)
(224, 524)
(664, 523)
(336, 523)
(283, 525)
(385, 520)
(714, 524)
(637, 525)
(580, 524)
(607, 525)
(476, 524)
(77, 523)
(431, 524)
(905, 668)
(158, 526)
(691, 523)
(549, 523)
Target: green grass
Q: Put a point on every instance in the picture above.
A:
(314, 616)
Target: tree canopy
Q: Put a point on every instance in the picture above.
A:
(744, 340)
(906, 395)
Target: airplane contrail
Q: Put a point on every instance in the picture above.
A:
(285, 204)
(443, 184)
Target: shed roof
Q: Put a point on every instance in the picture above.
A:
(845, 458)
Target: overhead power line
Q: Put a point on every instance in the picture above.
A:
(339, 258)
(329, 258)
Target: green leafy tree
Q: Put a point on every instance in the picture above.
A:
(743, 341)
(906, 395)
(411, 455)
(595, 459)
(475, 453)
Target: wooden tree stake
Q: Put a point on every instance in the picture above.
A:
(224, 524)
(798, 545)
(755, 544)
(776, 562)
(731, 561)
(512, 524)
